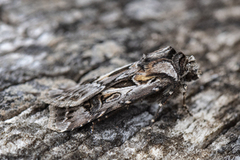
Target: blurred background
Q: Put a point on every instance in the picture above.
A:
(71, 38)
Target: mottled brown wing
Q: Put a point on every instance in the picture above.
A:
(155, 77)
(64, 119)
(74, 96)
(69, 118)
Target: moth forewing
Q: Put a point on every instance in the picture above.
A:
(155, 77)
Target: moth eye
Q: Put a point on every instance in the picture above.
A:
(113, 97)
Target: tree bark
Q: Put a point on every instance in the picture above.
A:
(57, 44)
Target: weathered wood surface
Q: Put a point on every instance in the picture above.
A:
(51, 44)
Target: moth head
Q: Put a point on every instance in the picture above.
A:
(189, 69)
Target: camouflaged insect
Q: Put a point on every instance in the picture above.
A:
(155, 77)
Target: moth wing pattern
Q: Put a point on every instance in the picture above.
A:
(73, 96)
(64, 118)
(155, 77)
(68, 109)
(68, 118)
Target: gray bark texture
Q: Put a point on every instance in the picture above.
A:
(47, 44)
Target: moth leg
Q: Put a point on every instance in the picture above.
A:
(92, 127)
(159, 109)
(167, 93)
(100, 117)
(185, 107)
(98, 120)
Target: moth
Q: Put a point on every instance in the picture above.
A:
(156, 77)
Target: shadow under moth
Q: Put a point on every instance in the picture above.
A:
(156, 77)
